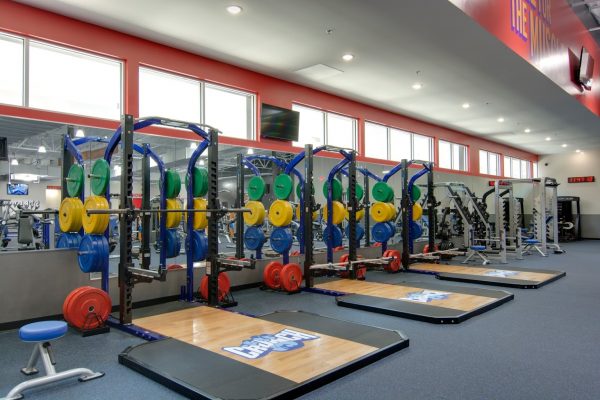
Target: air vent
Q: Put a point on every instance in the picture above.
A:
(319, 72)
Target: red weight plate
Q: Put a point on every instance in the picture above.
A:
(295, 253)
(224, 285)
(426, 248)
(339, 248)
(174, 266)
(272, 275)
(204, 287)
(386, 253)
(291, 277)
(361, 273)
(394, 266)
(377, 244)
(89, 308)
(68, 299)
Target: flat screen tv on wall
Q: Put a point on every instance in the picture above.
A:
(279, 123)
(17, 189)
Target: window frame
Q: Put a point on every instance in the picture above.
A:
(412, 135)
(511, 174)
(499, 171)
(452, 158)
(324, 115)
(24, 68)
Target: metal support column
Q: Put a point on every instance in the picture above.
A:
(367, 207)
(404, 205)
(239, 203)
(67, 162)
(212, 265)
(352, 204)
(431, 204)
(308, 210)
(145, 248)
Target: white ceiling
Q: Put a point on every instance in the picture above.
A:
(459, 61)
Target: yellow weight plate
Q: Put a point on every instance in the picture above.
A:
(382, 212)
(417, 211)
(339, 212)
(95, 223)
(393, 210)
(200, 218)
(257, 214)
(70, 214)
(173, 219)
(281, 213)
(359, 215)
(314, 216)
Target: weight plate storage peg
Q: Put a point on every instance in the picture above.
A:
(281, 213)
(382, 232)
(200, 218)
(173, 219)
(99, 177)
(75, 180)
(95, 223)
(339, 212)
(224, 285)
(173, 243)
(199, 246)
(70, 214)
(257, 213)
(281, 240)
(271, 275)
(382, 192)
(283, 186)
(93, 253)
(200, 176)
(291, 277)
(256, 188)
(336, 189)
(336, 235)
(87, 307)
(254, 238)
(68, 241)
(172, 184)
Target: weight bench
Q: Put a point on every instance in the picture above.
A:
(41, 333)
(476, 250)
(533, 244)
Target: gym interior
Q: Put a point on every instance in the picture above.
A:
(274, 199)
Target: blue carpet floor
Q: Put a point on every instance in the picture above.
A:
(543, 345)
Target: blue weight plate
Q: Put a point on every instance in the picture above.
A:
(360, 231)
(199, 245)
(93, 250)
(415, 231)
(173, 244)
(336, 237)
(281, 240)
(381, 232)
(254, 238)
(68, 241)
(300, 233)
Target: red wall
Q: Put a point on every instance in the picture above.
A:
(36, 23)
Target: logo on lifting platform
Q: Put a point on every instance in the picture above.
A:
(500, 273)
(425, 296)
(260, 345)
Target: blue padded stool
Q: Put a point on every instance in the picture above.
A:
(477, 250)
(41, 333)
(533, 244)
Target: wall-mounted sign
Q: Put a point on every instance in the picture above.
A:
(500, 183)
(581, 179)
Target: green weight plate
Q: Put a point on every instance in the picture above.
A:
(336, 189)
(299, 189)
(172, 184)
(75, 180)
(100, 176)
(200, 181)
(416, 193)
(283, 186)
(256, 188)
(382, 192)
(360, 192)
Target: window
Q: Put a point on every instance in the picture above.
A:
(230, 111)
(74, 82)
(320, 127)
(516, 168)
(422, 147)
(489, 163)
(169, 96)
(400, 145)
(536, 173)
(11, 70)
(376, 141)
(453, 156)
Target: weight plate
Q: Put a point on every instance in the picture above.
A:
(99, 177)
(336, 237)
(360, 192)
(315, 214)
(299, 190)
(172, 184)
(416, 193)
(95, 223)
(416, 230)
(200, 181)
(382, 192)
(173, 267)
(88, 308)
(336, 189)
(254, 238)
(394, 265)
(256, 188)
(68, 241)
(426, 248)
(199, 246)
(381, 232)
(291, 277)
(283, 186)
(256, 216)
(339, 212)
(360, 214)
(417, 211)
(70, 214)
(173, 243)
(281, 213)
(173, 219)
(360, 232)
(272, 275)
(75, 180)
(223, 285)
(200, 218)
(68, 299)
(382, 212)
(281, 240)
(92, 254)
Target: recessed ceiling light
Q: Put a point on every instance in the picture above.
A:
(500, 119)
(348, 57)
(527, 130)
(417, 86)
(14, 161)
(42, 149)
(466, 105)
(564, 145)
(80, 133)
(577, 151)
(548, 139)
(234, 10)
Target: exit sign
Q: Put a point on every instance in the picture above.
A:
(581, 179)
